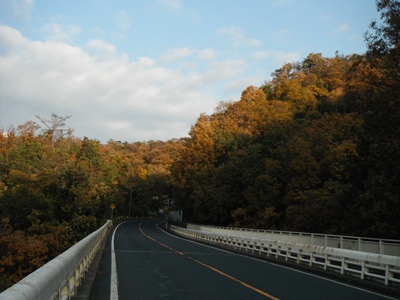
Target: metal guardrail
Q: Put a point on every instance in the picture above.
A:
(59, 278)
(363, 244)
(384, 269)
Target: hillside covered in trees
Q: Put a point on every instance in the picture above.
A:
(315, 149)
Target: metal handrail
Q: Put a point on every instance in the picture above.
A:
(367, 266)
(364, 244)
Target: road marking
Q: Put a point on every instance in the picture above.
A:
(279, 265)
(114, 273)
(211, 268)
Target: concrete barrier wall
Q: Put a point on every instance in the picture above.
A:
(59, 278)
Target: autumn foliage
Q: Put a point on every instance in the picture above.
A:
(316, 149)
(55, 189)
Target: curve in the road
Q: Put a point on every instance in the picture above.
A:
(210, 267)
(141, 261)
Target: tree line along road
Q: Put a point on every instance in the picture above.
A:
(141, 261)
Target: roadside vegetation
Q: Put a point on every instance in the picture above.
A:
(315, 149)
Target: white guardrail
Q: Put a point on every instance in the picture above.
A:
(363, 244)
(384, 269)
(60, 277)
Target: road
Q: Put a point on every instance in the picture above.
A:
(152, 264)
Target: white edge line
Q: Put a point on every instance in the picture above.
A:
(278, 265)
(114, 273)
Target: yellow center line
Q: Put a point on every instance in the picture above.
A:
(211, 268)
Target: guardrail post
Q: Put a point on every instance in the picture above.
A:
(64, 288)
(326, 262)
(343, 259)
(388, 274)
(363, 269)
(344, 266)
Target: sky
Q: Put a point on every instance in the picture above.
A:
(140, 70)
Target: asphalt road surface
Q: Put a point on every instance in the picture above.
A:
(141, 261)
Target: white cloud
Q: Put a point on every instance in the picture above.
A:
(100, 47)
(108, 99)
(283, 33)
(22, 8)
(340, 27)
(207, 54)
(176, 53)
(146, 62)
(234, 88)
(11, 39)
(260, 55)
(278, 56)
(123, 21)
(221, 70)
(171, 4)
(273, 60)
(237, 37)
(344, 27)
(62, 33)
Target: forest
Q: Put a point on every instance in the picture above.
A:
(314, 149)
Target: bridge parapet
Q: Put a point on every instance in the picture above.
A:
(363, 244)
(59, 278)
(383, 269)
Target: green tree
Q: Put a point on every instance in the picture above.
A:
(373, 92)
